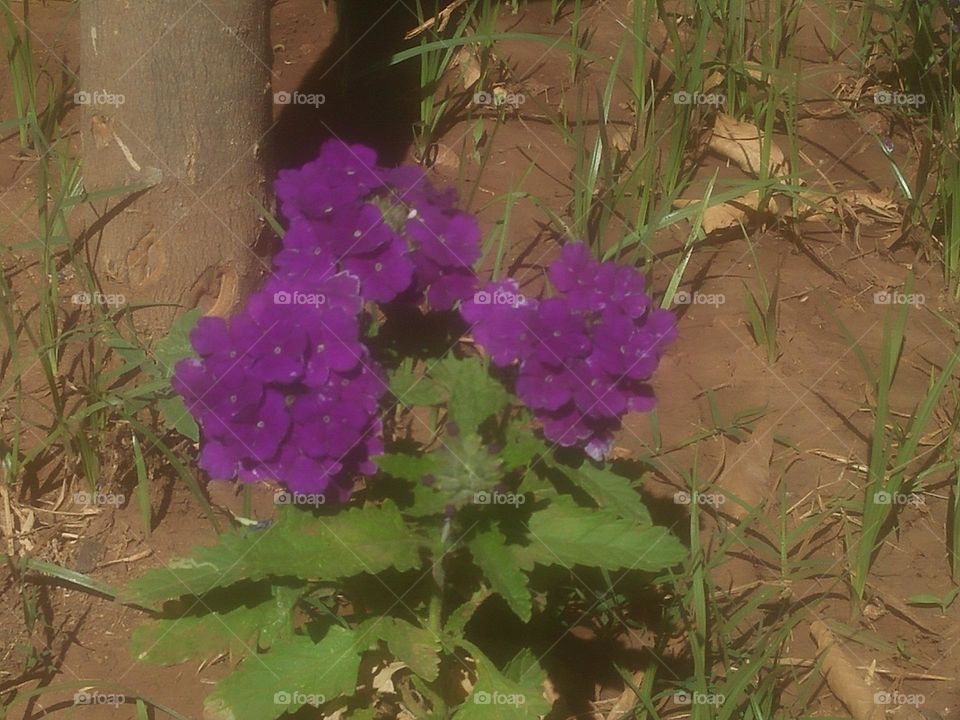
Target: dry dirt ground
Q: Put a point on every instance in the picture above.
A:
(816, 391)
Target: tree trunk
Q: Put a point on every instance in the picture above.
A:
(176, 97)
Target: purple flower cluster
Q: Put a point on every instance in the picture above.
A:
(286, 391)
(389, 227)
(583, 354)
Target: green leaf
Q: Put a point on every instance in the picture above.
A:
(496, 696)
(413, 468)
(174, 414)
(500, 566)
(411, 389)
(175, 345)
(524, 667)
(564, 533)
(294, 673)
(466, 467)
(474, 395)
(521, 446)
(408, 467)
(426, 502)
(360, 540)
(610, 491)
(417, 647)
(942, 601)
(240, 629)
(924, 600)
(457, 621)
(132, 352)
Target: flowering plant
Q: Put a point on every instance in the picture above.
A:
(366, 608)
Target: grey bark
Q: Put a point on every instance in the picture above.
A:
(194, 78)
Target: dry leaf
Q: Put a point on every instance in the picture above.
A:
(550, 693)
(745, 479)
(742, 143)
(383, 680)
(446, 157)
(878, 203)
(712, 82)
(622, 708)
(620, 137)
(466, 60)
(732, 213)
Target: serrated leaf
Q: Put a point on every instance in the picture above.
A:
(566, 534)
(417, 647)
(174, 415)
(411, 389)
(282, 680)
(521, 446)
(175, 345)
(496, 696)
(610, 491)
(407, 467)
(238, 629)
(128, 350)
(360, 540)
(457, 621)
(499, 565)
(524, 668)
(414, 468)
(426, 502)
(474, 394)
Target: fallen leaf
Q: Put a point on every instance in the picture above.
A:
(745, 479)
(742, 143)
(733, 213)
(383, 680)
(620, 138)
(466, 60)
(623, 707)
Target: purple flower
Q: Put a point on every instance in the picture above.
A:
(502, 328)
(285, 390)
(584, 353)
(383, 274)
(389, 227)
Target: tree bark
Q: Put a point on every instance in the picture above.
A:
(176, 97)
